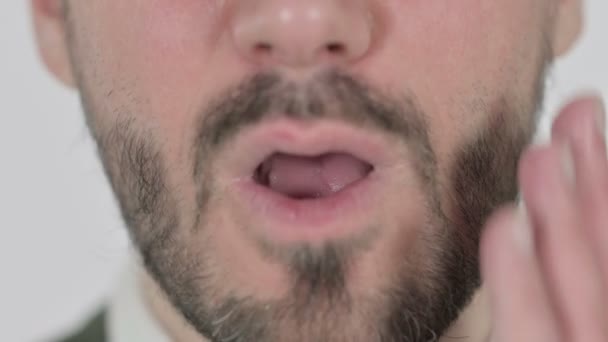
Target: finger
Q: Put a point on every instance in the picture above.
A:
(521, 308)
(566, 257)
(581, 125)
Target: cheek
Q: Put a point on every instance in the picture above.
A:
(458, 58)
(154, 60)
(159, 48)
(446, 51)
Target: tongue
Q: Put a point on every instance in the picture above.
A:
(313, 177)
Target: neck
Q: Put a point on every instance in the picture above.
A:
(171, 321)
(473, 325)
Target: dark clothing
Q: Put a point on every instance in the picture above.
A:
(93, 331)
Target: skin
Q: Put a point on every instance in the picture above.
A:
(471, 68)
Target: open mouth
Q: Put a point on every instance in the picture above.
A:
(302, 177)
(303, 181)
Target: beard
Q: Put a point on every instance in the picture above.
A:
(419, 301)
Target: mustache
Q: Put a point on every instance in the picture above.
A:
(329, 95)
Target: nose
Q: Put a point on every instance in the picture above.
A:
(302, 33)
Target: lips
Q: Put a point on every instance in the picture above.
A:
(299, 180)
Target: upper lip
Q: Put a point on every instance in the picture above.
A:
(256, 143)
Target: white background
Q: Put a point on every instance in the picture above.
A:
(62, 242)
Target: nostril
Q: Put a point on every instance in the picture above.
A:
(262, 48)
(301, 34)
(335, 48)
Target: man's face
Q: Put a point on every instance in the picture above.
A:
(312, 170)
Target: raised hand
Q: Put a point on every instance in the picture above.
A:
(546, 267)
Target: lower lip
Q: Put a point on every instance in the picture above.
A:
(289, 219)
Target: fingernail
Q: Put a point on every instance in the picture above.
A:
(567, 164)
(523, 236)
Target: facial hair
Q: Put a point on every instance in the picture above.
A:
(420, 304)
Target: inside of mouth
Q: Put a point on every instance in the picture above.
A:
(311, 177)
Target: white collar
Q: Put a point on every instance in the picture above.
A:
(128, 318)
